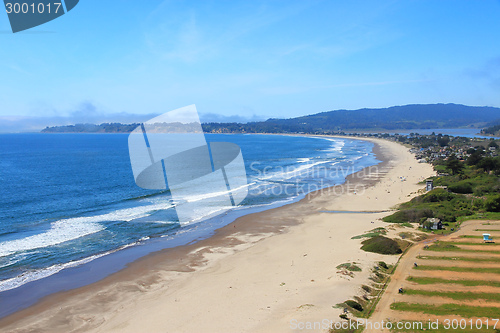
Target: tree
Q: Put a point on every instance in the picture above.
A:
(474, 157)
(492, 204)
(493, 144)
(454, 165)
(487, 164)
(443, 141)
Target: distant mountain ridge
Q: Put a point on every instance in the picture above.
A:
(399, 117)
(407, 117)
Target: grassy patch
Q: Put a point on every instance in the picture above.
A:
(459, 296)
(354, 305)
(468, 283)
(459, 269)
(419, 326)
(459, 258)
(438, 246)
(437, 203)
(447, 310)
(470, 243)
(470, 236)
(382, 245)
(490, 230)
(444, 246)
(372, 233)
(350, 267)
(406, 235)
(481, 216)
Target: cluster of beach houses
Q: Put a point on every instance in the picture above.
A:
(431, 154)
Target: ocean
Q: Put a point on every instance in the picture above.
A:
(68, 200)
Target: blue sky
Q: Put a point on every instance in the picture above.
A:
(250, 59)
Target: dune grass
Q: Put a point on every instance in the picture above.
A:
(468, 283)
(372, 233)
(448, 309)
(382, 245)
(350, 267)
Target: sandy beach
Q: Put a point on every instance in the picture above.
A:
(272, 271)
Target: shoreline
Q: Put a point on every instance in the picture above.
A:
(159, 272)
(104, 265)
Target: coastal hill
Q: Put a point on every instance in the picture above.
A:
(417, 116)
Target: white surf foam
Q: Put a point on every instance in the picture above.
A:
(73, 228)
(34, 275)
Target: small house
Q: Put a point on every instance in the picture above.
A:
(432, 224)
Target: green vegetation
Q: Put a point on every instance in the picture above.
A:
(415, 327)
(366, 288)
(350, 267)
(459, 269)
(468, 283)
(437, 203)
(459, 296)
(383, 265)
(471, 243)
(382, 245)
(439, 246)
(448, 246)
(91, 128)
(492, 130)
(372, 233)
(447, 309)
(481, 216)
(475, 259)
(468, 189)
(354, 305)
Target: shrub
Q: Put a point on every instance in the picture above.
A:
(492, 204)
(383, 265)
(382, 245)
(355, 305)
(409, 215)
(437, 195)
(463, 187)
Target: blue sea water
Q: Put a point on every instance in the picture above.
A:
(68, 199)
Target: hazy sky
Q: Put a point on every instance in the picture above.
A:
(251, 58)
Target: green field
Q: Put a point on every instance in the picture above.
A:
(448, 310)
(471, 283)
(459, 258)
(455, 295)
(459, 269)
